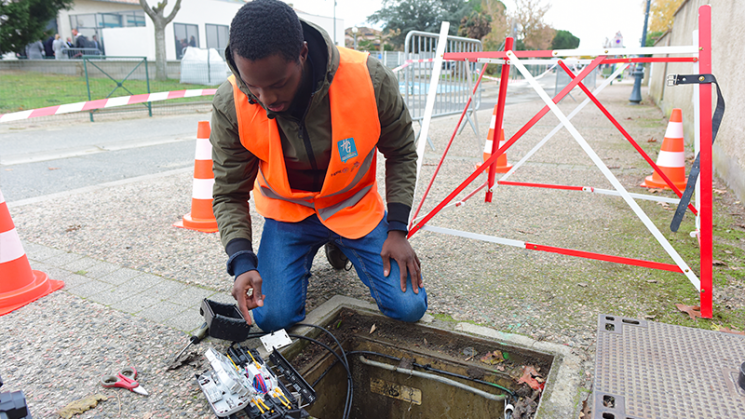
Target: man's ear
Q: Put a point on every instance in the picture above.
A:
(304, 53)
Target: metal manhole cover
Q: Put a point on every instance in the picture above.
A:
(646, 370)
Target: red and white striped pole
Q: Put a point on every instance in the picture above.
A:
(19, 284)
(201, 218)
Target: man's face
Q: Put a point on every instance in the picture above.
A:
(74, 32)
(273, 80)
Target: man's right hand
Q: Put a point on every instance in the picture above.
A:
(247, 292)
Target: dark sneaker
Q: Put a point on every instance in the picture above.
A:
(334, 255)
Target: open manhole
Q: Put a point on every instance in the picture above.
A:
(455, 376)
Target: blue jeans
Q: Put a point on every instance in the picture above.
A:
(285, 257)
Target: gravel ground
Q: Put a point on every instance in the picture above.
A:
(63, 343)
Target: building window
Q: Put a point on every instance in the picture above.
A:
(126, 19)
(217, 37)
(185, 36)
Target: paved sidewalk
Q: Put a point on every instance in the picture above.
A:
(144, 295)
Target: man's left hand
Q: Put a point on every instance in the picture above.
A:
(397, 247)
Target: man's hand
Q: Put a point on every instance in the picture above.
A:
(397, 247)
(247, 292)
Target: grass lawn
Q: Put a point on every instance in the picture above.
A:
(30, 90)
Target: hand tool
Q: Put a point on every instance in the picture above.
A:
(195, 338)
(124, 379)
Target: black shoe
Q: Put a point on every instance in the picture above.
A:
(334, 255)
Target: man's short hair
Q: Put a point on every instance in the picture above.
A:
(262, 28)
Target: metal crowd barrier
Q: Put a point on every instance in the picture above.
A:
(456, 83)
(563, 80)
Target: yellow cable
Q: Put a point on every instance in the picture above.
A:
(231, 360)
(254, 360)
(256, 402)
(282, 398)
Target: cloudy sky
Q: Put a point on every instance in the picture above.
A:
(590, 20)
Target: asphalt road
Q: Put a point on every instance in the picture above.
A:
(40, 159)
(48, 158)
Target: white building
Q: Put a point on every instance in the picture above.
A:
(124, 29)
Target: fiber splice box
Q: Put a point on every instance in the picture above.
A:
(241, 380)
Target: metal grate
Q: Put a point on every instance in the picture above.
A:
(646, 370)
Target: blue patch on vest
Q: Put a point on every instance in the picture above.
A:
(347, 149)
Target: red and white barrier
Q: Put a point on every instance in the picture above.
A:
(410, 62)
(105, 103)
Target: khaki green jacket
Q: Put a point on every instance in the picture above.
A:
(306, 143)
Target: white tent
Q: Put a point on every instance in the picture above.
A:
(203, 66)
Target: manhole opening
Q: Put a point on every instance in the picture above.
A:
(371, 340)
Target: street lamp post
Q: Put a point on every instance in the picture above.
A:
(636, 92)
(354, 31)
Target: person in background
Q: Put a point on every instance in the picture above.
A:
(60, 48)
(96, 45)
(48, 47)
(35, 51)
(193, 41)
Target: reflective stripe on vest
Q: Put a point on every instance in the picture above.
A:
(348, 203)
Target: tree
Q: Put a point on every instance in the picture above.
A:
(24, 21)
(403, 16)
(160, 21)
(661, 14)
(535, 34)
(499, 28)
(476, 25)
(564, 40)
(652, 38)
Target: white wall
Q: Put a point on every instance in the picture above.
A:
(198, 12)
(327, 23)
(129, 42)
(141, 41)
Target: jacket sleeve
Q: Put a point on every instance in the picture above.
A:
(235, 170)
(396, 143)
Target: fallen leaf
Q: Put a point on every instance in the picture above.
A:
(79, 406)
(652, 281)
(664, 205)
(719, 191)
(500, 367)
(652, 140)
(582, 284)
(372, 329)
(148, 415)
(717, 262)
(53, 168)
(693, 311)
(425, 342)
(492, 358)
(720, 328)
(73, 228)
(528, 378)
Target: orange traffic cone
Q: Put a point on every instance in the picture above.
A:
(19, 285)
(502, 165)
(672, 156)
(201, 218)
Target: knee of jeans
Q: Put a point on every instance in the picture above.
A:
(271, 320)
(409, 307)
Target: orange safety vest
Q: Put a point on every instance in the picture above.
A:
(349, 203)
